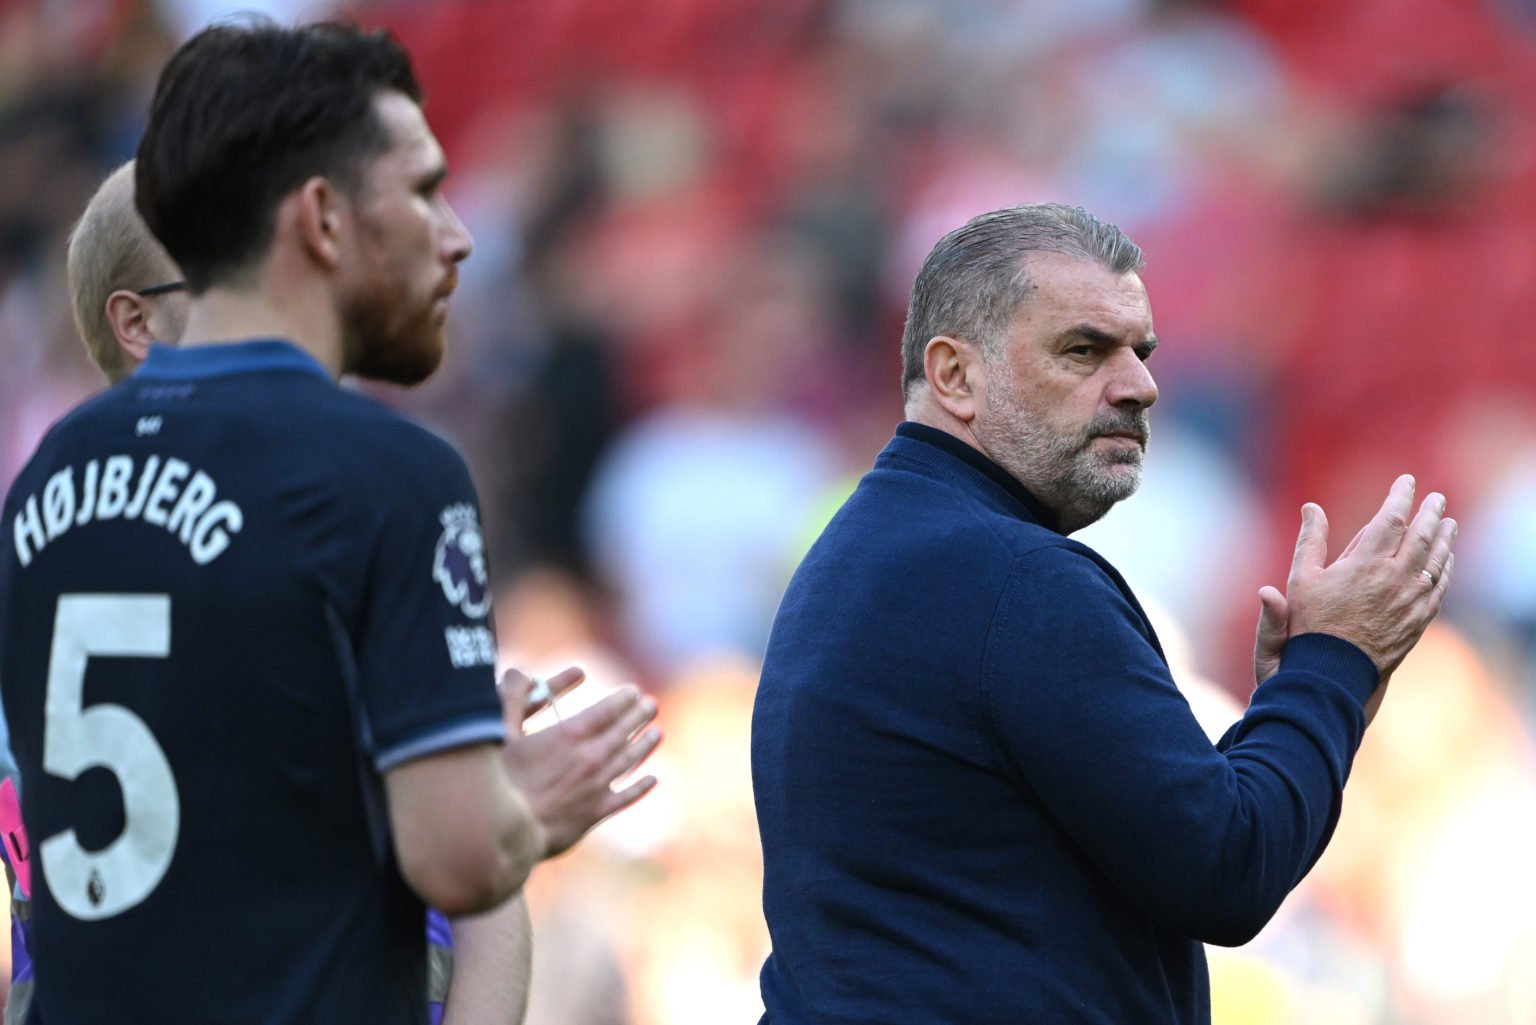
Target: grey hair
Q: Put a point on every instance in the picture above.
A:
(974, 280)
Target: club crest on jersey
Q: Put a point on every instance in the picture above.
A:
(459, 564)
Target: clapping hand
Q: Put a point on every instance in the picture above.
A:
(1380, 594)
(568, 770)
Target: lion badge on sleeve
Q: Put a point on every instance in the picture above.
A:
(459, 563)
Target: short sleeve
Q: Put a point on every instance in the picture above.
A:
(426, 650)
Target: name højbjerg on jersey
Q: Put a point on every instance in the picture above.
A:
(166, 493)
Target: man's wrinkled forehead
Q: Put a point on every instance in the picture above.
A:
(1069, 289)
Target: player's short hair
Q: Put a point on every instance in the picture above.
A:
(110, 248)
(974, 280)
(245, 112)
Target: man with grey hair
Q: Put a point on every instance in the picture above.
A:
(980, 793)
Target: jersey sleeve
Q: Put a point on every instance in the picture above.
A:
(1086, 715)
(425, 647)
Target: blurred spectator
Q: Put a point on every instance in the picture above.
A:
(695, 512)
(694, 935)
(1498, 477)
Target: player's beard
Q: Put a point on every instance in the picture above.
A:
(389, 338)
(1061, 466)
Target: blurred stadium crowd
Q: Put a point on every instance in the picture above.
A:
(676, 346)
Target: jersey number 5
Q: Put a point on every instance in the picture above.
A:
(99, 884)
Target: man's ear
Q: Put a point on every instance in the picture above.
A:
(315, 213)
(129, 317)
(954, 372)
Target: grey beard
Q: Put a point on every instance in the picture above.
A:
(1076, 483)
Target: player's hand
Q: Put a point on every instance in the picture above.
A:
(523, 696)
(568, 770)
(1382, 593)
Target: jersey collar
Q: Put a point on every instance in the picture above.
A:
(261, 355)
(955, 447)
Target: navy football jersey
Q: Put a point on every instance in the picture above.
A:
(232, 595)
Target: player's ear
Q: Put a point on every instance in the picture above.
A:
(129, 316)
(315, 209)
(954, 372)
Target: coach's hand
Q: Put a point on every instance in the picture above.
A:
(1386, 587)
(567, 770)
(1270, 637)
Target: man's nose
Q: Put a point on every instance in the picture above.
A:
(1131, 381)
(457, 241)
